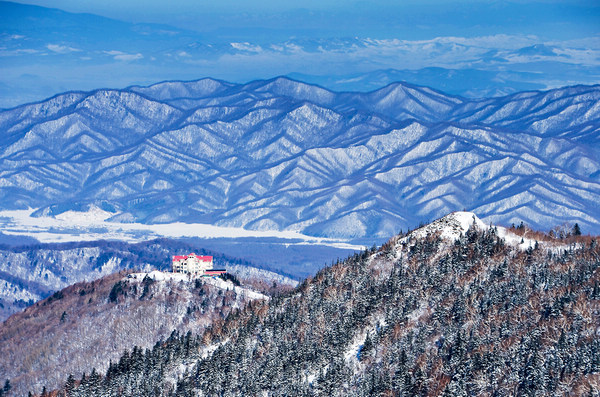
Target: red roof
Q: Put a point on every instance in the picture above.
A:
(205, 258)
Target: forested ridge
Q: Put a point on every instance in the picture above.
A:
(418, 316)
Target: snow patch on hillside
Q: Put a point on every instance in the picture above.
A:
(157, 275)
(451, 226)
(11, 292)
(254, 272)
(512, 239)
(352, 353)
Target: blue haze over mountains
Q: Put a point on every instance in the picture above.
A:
(282, 154)
(476, 49)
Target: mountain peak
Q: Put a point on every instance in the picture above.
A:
(451, 226)
(455, 224)
(298, 90)
(170, 90)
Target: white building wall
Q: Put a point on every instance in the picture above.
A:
(191, 265)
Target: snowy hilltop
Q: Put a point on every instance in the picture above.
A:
(456, 224)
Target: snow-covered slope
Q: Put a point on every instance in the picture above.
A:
(281, 154)
(168, 277)
(474, 317)
(450, 227)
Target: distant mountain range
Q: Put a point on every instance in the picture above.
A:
(469, 83)
(282, 154)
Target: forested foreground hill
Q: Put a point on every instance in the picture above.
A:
(80, 328)
(423, 315)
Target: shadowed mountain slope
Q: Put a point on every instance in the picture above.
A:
(282, 154)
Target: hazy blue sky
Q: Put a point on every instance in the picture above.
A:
(384, 18)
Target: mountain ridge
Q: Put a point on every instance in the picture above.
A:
(282, 154)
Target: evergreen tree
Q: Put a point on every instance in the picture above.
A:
(69, 385)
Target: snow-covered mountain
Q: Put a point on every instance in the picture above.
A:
(282, 154)
(449, 309)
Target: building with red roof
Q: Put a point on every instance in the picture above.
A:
(195, 265)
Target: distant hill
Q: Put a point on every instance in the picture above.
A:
(282, 154)
(468, 83)
(455, 308)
